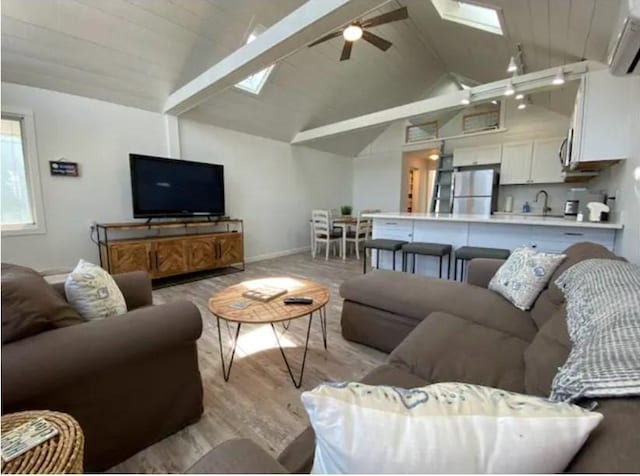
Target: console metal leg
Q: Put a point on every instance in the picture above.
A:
(394, 260)
(449, 266)
(323, 325)
(304, 356)
(226, 371)
(440, 268)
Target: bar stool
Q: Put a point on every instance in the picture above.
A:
(426, 249)
(467, 253)
(381, 245)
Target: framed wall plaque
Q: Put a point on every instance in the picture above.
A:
(64, 169)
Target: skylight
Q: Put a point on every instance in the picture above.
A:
(470, 14)
(254, 83)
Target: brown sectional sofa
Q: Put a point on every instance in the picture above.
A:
(441, 331)
(129, 380)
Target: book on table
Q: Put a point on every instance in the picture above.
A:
(264, 293)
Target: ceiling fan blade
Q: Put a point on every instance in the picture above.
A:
(395, 15)
(330, 36)
(375, 40)
(346, 51)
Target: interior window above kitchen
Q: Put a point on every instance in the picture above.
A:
(470, 14)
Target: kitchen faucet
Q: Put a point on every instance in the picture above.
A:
(545, 207)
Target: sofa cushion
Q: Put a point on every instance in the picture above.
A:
(448, 348)
(30, 305)
(552, 298)
(613, 446)
(546, 354)
(417, 296)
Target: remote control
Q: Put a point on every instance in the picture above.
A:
(298, 300)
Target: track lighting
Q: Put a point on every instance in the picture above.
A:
(509, 91)
(434, 156)
(519, 96)
(559, 78)
(467, 97)
(522, 106)
(513, 67)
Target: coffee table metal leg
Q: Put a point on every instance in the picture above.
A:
(226, 372)
(323, 325)
(304, 356)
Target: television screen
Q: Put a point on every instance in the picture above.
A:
(171, 188)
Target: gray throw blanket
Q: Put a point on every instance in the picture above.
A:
(603, 319)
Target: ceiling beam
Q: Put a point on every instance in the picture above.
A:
(312, 20)
(526, 83)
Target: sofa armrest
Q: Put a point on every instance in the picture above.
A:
(481, 270)
(52, 359)
(237, 456)
(136, 288)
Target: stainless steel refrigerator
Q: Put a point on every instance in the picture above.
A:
(475, 192)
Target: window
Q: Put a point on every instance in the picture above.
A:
(470, 14)
(21, 205)
(254, 83)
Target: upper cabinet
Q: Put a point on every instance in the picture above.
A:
(530, 162)
(602, 119)
(469, 156)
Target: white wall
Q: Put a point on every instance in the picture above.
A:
(270, 184)
(377, 172)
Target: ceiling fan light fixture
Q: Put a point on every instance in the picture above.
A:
(352, 33)
(558, 80)
(513, 67)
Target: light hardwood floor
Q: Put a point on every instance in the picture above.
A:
(259, 401)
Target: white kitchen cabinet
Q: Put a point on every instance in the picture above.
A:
(602, 118)
(515, 167)
(531, 162)
(469, 156)
(545, 163)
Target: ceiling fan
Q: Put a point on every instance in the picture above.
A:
(358, 29)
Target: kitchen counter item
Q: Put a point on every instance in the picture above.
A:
(596, 209)
(508, 204)
(571, 208)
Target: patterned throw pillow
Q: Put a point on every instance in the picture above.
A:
(93, 293)
(524, 275)
(442, 428)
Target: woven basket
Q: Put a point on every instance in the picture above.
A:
(60, 454)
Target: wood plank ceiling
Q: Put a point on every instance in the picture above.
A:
(135, 52)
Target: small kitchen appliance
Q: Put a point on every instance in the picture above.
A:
(571, 208)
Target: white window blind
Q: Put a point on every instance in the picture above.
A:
(16, 206)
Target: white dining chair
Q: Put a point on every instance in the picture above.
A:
(323, 232)
(360, 234)
(366, 212)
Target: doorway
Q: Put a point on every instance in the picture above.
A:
(418, 175)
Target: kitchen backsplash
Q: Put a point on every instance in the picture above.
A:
(558, 193)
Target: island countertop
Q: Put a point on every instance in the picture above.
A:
(495, 219)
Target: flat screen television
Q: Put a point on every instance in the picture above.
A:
(175, 188)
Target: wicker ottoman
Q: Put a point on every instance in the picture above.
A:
(60, 454)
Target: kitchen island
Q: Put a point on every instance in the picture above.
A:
(552, 234)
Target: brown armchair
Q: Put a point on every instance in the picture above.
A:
(129, 380)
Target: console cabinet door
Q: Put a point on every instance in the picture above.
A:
(230, 249)
(126, 257)
(202, 253)
(170, 257)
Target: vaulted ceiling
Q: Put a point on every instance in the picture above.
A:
(136, 52)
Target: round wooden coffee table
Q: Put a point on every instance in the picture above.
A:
(229, 305)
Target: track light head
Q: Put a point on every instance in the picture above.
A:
(513, 67)
(558, 80)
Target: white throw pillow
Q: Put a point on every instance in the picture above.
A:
(93, 293)
(524, 275)
(442, 428)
